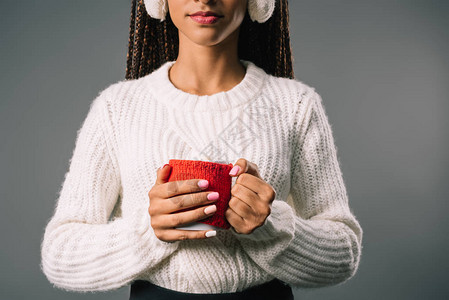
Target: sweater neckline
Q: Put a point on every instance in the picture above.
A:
(164, 91)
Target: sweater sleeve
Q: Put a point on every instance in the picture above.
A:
(82, 250)
(315, 241)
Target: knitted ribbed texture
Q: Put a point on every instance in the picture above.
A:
(100, 236)
(219, 181)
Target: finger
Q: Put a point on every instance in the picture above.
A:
(234, 219)
(179, 187)
(185, 201)
(254, 215)
(172, 235)
(253, 183)
(178, 219)
(163, 174)
(247, 195)
(241, 208)
(245, 166)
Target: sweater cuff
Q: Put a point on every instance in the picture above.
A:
(280, 224)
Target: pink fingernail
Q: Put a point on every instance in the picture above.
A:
(213, 196)
(203, 183)
(210, 209)
(234, 170)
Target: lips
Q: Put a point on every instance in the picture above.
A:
(205, 14)
(205, 17)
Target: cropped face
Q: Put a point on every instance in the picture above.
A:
(220, 20)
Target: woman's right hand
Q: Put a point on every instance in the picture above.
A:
(166, 198)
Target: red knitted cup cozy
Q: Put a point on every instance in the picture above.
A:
(219, 181)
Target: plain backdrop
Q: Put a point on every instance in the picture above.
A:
(381, 68)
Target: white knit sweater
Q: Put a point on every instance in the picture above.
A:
(100, 236)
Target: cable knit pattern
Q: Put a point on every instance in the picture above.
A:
(100, 237)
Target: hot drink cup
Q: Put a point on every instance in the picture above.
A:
(219, 181)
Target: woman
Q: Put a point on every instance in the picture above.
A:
(116, 215)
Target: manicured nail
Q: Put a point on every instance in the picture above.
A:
(213, 196)
(164, 166)
(211, 233)
(234, 170)
(203, 183)
(210, 209)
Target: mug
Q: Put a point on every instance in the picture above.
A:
(217, 173)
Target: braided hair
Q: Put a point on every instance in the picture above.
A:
(151, 42)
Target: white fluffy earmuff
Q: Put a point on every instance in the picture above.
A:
(258, 10)
(157, 9)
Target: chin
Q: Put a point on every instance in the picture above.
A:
(205, 40)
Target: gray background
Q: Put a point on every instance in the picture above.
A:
(380, 66)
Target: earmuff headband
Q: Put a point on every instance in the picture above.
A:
(258, 10)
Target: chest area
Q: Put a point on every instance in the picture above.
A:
(256, 133)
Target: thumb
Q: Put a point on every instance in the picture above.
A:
(163, 174)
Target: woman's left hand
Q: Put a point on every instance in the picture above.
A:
(251, 198)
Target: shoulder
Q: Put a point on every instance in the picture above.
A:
(119, 95)
(294, 95)
(292, 88)
(119, 91)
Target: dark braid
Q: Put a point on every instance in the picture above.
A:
(131, 37)
(152, 42)
(138, 36)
